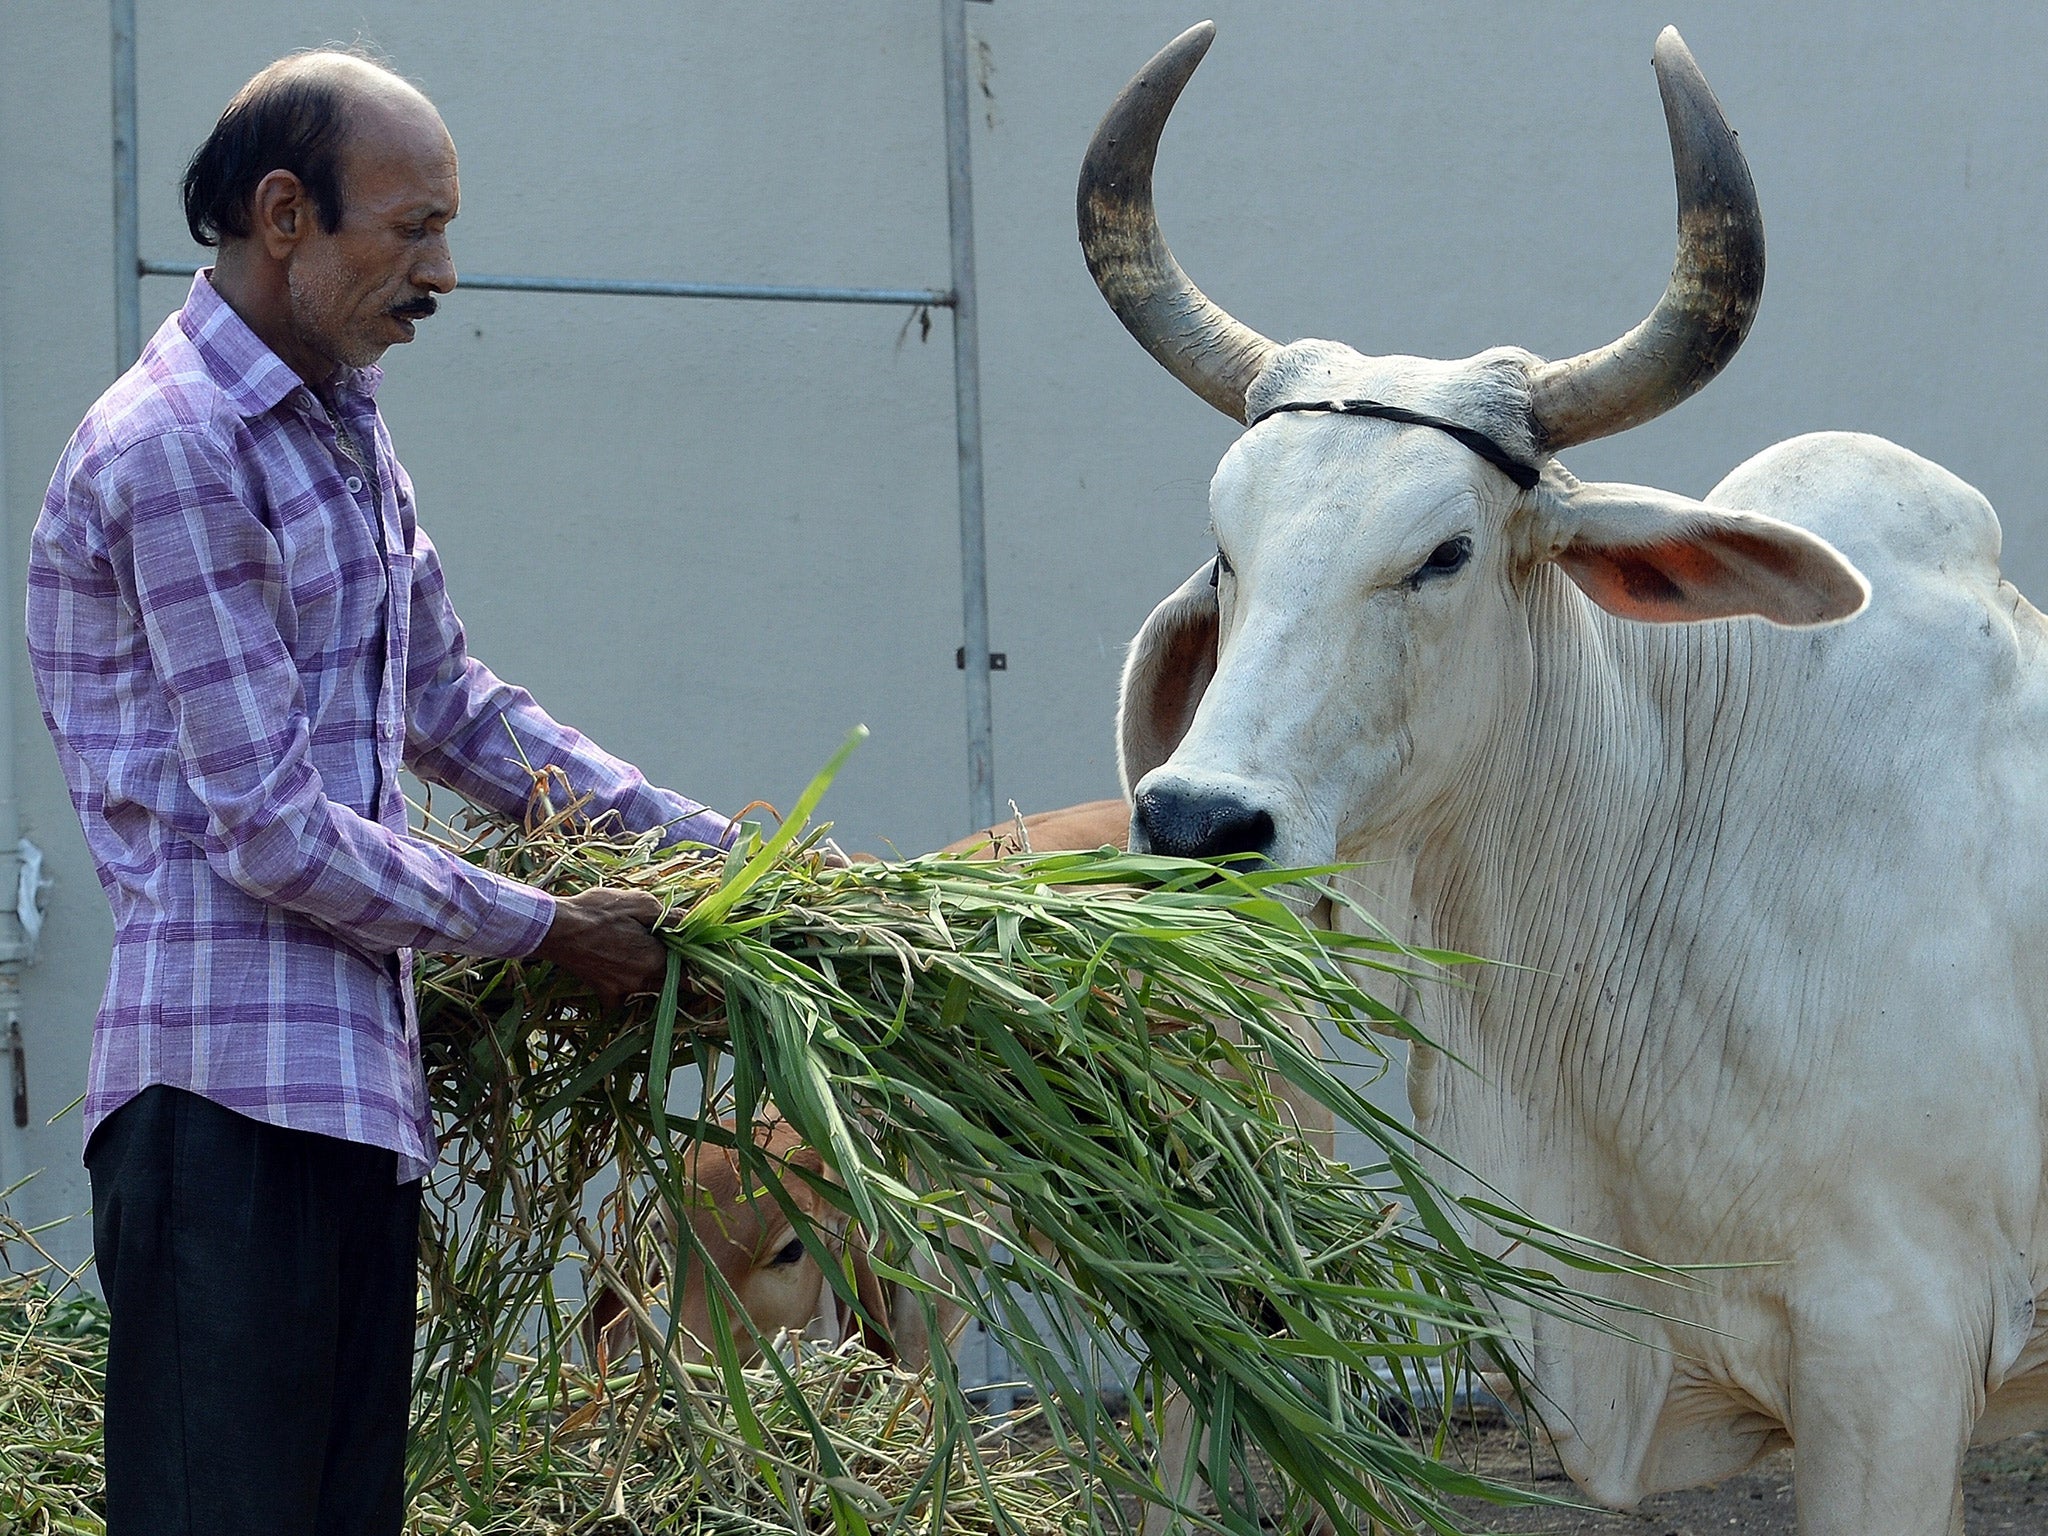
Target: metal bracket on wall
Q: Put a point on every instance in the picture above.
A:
(998, 661)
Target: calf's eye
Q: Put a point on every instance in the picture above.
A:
(788, 1254)
(1447, 557)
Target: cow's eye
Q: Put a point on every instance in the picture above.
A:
(1221, 568)
(1445, 558)
(789, 1253)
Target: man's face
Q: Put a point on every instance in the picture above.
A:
(359, 289)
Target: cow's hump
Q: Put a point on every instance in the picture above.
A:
(1885, 507)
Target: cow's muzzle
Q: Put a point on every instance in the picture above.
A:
(1193, 822)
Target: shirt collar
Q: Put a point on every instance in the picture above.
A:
(255, 378)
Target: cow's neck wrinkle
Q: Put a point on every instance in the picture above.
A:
(1593, 853)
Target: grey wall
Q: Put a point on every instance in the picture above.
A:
(717, 535)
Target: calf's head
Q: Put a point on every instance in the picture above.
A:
(1387, 526)
(747, 1235)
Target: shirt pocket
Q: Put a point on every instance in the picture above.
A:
(337, 585)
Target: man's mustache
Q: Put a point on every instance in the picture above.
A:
(416, 309)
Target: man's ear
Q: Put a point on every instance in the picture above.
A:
(280, 213)
(1168, 667)
(1661, 558)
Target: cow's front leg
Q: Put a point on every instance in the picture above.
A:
(1880, 1420)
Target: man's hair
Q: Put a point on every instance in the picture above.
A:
(291, 117)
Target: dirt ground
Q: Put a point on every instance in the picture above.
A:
(2005, 1492)
(2005, 1489)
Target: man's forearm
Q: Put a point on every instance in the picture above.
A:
(487, 741)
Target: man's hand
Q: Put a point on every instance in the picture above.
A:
(605, 938)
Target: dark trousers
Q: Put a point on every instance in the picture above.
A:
(262, 1286)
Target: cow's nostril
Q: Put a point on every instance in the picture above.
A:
(1198, 824)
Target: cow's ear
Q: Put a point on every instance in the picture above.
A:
(1661, 558)
(1169, 666)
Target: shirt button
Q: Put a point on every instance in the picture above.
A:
(355, 484)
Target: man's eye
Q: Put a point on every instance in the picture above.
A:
(1445, 558)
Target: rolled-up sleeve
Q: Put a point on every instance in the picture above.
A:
(484, 738)
(207, 579)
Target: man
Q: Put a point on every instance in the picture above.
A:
(239, 636)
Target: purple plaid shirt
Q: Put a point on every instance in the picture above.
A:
(239, 637)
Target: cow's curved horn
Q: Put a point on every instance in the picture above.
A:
(1716, 281)
(1198, 342)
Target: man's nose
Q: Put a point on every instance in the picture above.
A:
(436, 269)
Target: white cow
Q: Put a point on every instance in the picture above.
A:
(1771, 882)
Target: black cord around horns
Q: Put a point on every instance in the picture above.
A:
(1522, 474)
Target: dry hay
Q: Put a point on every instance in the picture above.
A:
(617, 1461)
(53, 1361)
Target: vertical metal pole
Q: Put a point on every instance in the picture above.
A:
(127, 198)
(981, 768)
(14, 949)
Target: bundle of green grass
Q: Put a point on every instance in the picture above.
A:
(1045, 1088)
